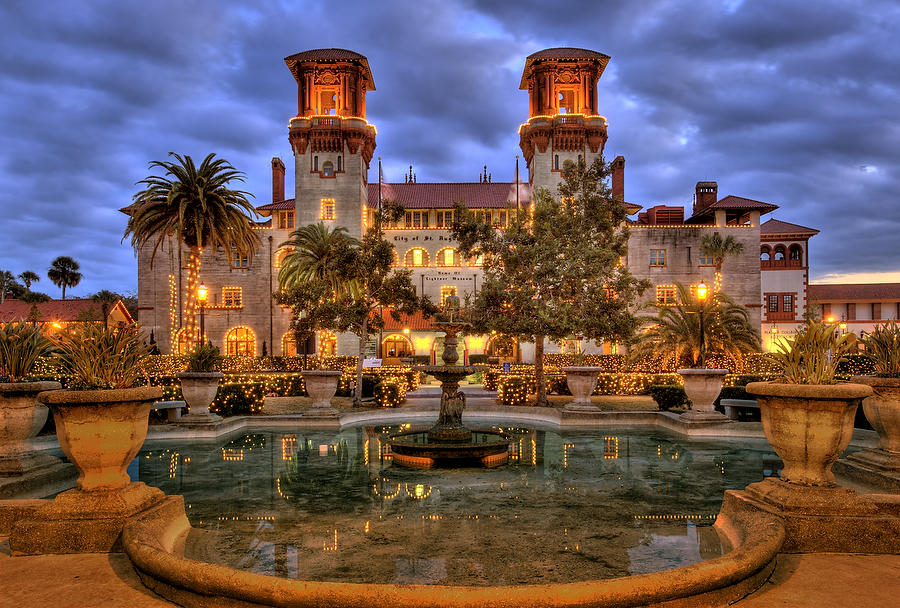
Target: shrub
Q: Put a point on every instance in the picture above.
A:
(883, 349)
(514, 390)
(733, 392)
(203, 358)
(388, 393)
(478, 359)
(812, 355)
(856, 365)
(239, 399)
(21, 344)
(668, 396)
(97, 357)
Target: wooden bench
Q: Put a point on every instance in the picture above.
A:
(173, 409)
(733, 407)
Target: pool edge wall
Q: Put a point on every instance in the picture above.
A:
(153, 540)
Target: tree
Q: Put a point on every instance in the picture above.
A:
(7, 280)
(195, 207)
(715, 247)
(367, 266)
(673, 335)
(63, 272)
(555, 271)
(311, 259)
(107, 299)
(28, 277)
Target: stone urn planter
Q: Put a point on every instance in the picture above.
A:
(21, 418)
(199, 389)
(702, 387)
(883, 412)
(581, 380)
(321, 385)
(101, 431)
(808, 425)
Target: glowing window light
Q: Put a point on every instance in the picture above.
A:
(327, 209)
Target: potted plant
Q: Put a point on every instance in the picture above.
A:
(200, 383)
(21, 416)
(101, 420)
(581, 380)
(686, 332)
(807, 414)
(882, 347)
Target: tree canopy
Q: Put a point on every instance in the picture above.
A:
(63, 272)
(556, 270)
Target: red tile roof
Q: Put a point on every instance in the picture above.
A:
(777, 227)
(561, 53)
(411, 322)
(739, 202)
(279, 206)
(855, 292)
(475, 195)
(55, 310)
(330, 55)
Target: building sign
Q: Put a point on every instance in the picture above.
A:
(371, 362)
(449, 275)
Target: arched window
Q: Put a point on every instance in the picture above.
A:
(796, 255)
(501, 346)
(765, 254)
(281, 254)
(416, 257)
(182, 342)
(240, 340)
(779, 252)
(448, 256)
(556, 162)
(397, 345)
(328, 169)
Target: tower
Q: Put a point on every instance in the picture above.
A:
(331, 139)
(563, 124)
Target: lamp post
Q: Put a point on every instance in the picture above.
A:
(702, 293)
(202, 294)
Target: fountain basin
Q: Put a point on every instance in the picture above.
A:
(418, 450)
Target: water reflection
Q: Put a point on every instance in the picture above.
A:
(570, 506)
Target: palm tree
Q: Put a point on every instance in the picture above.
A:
(673, 336)
(63, 272)
(715, 247)
(107, 300)
(313, 256)
(28, 277)
(194, 206)
(7, 280)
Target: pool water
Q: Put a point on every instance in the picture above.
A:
(569, 506)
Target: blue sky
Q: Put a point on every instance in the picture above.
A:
(789, 102)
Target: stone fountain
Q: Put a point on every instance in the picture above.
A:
(449, 441)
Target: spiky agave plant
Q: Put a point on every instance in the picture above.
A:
(96, 357)
(883, 349)
(21, 344)
(813, 354)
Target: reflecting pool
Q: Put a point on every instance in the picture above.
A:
(569, 505)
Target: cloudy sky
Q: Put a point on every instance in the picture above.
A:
(787, 101)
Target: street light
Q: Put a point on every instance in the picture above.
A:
(202, 294)
(702, 292)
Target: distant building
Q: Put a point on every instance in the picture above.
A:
(58, 315)
(333, 146)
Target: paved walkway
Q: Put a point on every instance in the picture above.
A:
(95, 580)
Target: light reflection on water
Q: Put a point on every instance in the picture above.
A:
(569, 506)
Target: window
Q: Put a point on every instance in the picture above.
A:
(779, 252)
(340, 163)
(556, 162)
(707, 260)
(657, 257)
(328, 169)
(416, 257)
(417, 219)
(240, 340)
(446, 292)
(286, 220)
(765, 254)
(231, 296)
(239, 261)
(448, 257)
(281, 254)
(328, 99)
(665, 295)
(773, 303)
(566, 101)
(396, 345)
(327, 212)
(787, 303)
(315, 163)
(444, 219)
(499, 219)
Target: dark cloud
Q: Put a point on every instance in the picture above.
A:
(784, 101)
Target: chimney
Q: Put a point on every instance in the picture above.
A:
(618, 178)
(705, 194)
(277, 180)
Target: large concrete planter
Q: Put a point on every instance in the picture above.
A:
(321, 385)
(702, 387)
(883, 412)
(808, 425)
(101, 431)
(581, 380)
(199, 389)
(21, 418)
